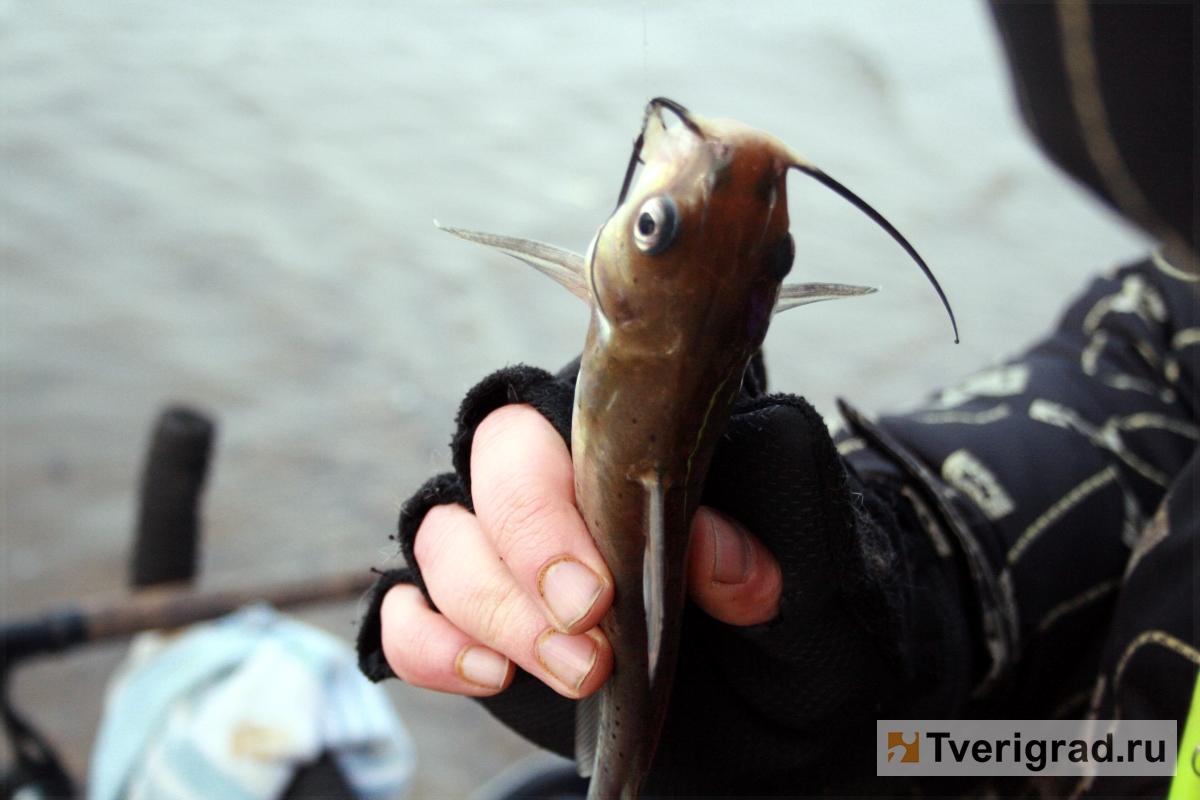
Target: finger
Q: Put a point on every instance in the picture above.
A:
(524, 493)
(425, 649)
(731, 574)
(475, 591)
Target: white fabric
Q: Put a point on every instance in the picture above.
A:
(230, 708)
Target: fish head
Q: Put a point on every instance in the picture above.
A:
(698, 246)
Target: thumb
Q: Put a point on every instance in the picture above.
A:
(731, 574)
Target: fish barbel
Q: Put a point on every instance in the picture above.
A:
(682, 280)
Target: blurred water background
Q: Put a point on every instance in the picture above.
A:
(231, 204)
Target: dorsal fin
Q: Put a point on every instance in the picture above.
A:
(801, 294)
(564, 266)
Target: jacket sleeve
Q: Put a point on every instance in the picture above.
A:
(1059, 457)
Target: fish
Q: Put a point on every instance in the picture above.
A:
(682, 280)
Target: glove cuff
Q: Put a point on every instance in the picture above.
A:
(552, 396)
(369, 644)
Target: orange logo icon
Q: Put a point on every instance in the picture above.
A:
(910, 751)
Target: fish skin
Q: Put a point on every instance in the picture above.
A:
(670, 337)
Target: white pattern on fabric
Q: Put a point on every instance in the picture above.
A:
(969, 475)
(1078, 602)
(1136, 296)
(1153, 533)
(1059, 509)
(1006, 381)
(1185, 338)
(955, 417)
(1107, 437)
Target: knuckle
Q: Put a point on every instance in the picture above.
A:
(524, 517)
(494, 611)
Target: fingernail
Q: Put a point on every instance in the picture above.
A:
(732, 557)
(568, 658)
(482, 667)
(570, 590)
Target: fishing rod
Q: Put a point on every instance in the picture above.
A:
(158, 607)
(163, 563)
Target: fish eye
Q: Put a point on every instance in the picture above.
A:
(656, 224)
(785, 254)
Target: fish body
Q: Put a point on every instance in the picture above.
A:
(670, 336)
(682, 280)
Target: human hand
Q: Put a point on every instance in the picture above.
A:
(520, 581)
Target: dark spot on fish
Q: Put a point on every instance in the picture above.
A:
(764, 187)
(633, 420)
(653, 438)
(759, 315)
(782, 258)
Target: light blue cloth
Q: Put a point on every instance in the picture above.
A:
(230, 709)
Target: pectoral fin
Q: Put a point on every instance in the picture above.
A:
(801, 294)
(564, 266)
(654, 588)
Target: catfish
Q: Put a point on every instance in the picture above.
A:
(682, 280)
